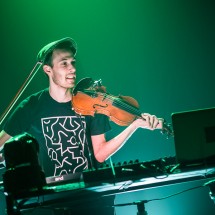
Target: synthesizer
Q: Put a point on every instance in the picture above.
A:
(120, 171)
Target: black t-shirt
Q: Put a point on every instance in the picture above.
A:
(64, 137)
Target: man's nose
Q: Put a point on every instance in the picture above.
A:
(72, 68)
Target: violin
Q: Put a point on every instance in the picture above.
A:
(90, 97)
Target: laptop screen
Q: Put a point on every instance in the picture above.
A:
(194, 136)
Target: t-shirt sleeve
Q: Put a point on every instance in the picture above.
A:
(99, 124)
(18, 122)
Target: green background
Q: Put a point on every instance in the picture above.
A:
(159, 52)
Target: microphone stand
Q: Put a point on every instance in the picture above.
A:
(141, 208)
(20, 91)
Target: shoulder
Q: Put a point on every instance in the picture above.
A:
(35, 97)
(32, 100)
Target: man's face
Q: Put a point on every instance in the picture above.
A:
(63, 71)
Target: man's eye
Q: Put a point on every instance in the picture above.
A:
(64, 63)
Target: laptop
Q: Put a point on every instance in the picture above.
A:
(194, 136)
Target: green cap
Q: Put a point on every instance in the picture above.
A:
(51, 46)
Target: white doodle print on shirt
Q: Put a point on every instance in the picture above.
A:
(65, 141)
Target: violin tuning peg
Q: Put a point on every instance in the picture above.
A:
(100, 82)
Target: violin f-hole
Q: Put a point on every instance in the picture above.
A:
(102, 106)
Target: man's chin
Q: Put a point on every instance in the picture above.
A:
(72, 84)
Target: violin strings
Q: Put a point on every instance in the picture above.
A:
(116, 100)
(121, 104)
(125, 106)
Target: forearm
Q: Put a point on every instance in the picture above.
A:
(108, 148)
(104, 149)
(3, 138)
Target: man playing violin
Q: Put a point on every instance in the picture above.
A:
(68, 142)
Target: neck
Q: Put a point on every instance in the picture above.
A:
(61, 95)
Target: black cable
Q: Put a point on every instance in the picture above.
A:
(146, 201)
(175, 194)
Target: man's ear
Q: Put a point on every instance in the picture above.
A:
(46, 69)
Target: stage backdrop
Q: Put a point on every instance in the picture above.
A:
(159, 52)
